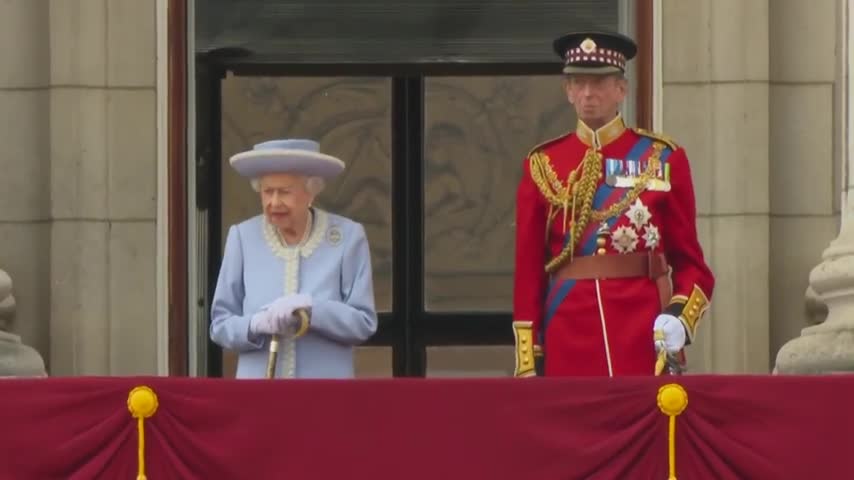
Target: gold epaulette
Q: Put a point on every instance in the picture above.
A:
(657, 136)
(548, 142)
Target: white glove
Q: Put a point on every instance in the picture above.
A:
(278, 317)
(283, 311)
(674, 332)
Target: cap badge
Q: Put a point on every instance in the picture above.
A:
(588, 45)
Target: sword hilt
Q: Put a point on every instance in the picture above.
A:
(664, 358)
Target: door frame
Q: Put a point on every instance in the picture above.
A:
(177, 256)
(177, 144)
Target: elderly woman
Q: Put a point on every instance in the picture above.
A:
(293, 257)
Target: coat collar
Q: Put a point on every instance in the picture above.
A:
(309, 243)
(605, 135)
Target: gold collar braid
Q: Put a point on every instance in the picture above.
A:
(603, 136)
(582, 190)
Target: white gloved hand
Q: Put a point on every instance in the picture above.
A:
(283, 311)
(264, 323)
(674, 332)
(278, 317)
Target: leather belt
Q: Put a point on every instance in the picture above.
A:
(632, 265)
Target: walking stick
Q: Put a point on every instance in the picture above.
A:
(274, 342)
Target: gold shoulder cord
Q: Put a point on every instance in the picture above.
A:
(565, 197)
(546, 179)
(658, 136)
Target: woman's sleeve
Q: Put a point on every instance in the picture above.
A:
(354, 319)
(229, 324)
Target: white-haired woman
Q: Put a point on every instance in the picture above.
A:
(293, 256)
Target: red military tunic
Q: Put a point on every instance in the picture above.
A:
(567, 318)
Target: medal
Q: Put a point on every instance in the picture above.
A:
(613, 166)
(632, 168)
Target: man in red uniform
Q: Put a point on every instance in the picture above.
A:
(606, 242)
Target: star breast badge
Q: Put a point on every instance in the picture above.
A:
(624, 239)
(638, 214)
(651, 236)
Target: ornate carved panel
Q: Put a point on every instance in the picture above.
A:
(477, 132)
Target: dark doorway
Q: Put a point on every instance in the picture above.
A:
(433, 141)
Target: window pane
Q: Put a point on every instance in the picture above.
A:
(477, 132)
(393, 31)
(480, 361)
(229, 364)
(373, 362)
(351, 119)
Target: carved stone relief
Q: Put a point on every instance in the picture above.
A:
(477, 133)
(16, 359)
(815, 307)
(7, 301)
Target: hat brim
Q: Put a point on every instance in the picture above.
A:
(256, 163)
(597, 70)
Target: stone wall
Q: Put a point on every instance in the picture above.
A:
(805, 145)
(747, 94)
(715, 62)
(77, 212)
(25, 200)
(103, 189)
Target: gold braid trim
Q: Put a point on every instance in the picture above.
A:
(658, 136)
(547, 182)
(592, 172)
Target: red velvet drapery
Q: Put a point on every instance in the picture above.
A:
(734, 427)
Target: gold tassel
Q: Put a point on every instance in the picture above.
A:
(549, 219)
(565, 211)
(142, 403)
(572, 219)
(672, 399)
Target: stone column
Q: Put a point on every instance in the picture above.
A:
(829, 346)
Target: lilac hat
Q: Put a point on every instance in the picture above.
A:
(286, 156)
